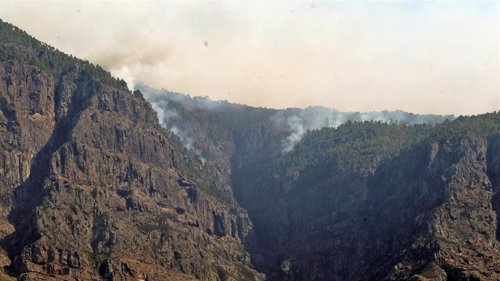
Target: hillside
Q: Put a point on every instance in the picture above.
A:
(93, 188)
(380, 202)
(98, 182)
(357, 201)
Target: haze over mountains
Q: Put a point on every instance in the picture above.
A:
(295, 121)
(98, 182)
(348, 55)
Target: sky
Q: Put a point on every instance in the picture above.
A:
(421, 57)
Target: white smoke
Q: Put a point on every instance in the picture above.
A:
(166, 116)
(296, 124)
(187, 141)
(299, 122)
(126, 73)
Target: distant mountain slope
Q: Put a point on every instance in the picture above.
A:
(224, 132)
(378, 202)
(92, 188)
(359, 200)
(293, 122)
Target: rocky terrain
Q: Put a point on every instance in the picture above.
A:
(101, 183)
(93, 188)
(426, 214)
(364, 201)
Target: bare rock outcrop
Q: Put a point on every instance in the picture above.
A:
(92, 188)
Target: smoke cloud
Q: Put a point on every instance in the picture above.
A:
(187, 141)
(350, 55)
(167, 116)
(297, 122)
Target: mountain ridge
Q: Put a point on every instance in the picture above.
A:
(97, 183)
(293, 189)
(90, 176)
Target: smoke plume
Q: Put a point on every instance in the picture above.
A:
(314, 118)
(167, 116)
(295, 122)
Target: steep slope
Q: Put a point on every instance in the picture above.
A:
(93, 188)
(383, 209)
(230, 135)
(424, 213)
(364, 201)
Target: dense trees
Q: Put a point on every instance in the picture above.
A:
(17, 44)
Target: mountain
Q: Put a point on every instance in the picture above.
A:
(93, 188)
(380, 202)
(230, 135)
(98, 182)
(401, 197)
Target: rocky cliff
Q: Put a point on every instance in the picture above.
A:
(94, 189)
(364, 201)
(427, 214)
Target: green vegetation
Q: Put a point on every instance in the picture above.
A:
(15, 44)
(479, 125)
(138, 94)
(352, 149)
(355, 148)
(330, 169)
(352, 145)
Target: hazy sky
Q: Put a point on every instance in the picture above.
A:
(424, 57)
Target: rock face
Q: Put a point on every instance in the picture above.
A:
(93, 188)
(362, 202)
(427, 215)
